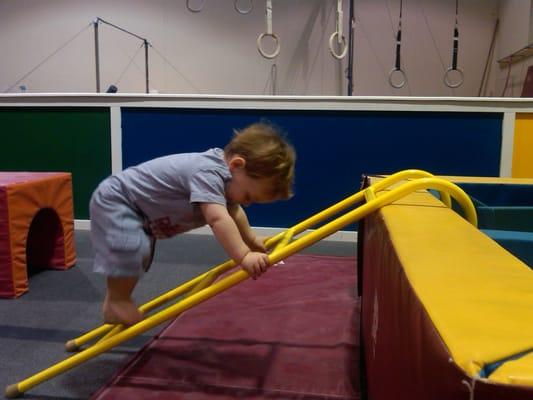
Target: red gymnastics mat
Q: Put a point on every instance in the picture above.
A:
(291, 334)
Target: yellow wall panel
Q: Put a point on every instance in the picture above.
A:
(523, 146)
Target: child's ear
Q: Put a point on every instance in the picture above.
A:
(237, 162)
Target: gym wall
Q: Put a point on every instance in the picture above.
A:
(337, 139)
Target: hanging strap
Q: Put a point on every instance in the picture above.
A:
(397, 76)
(341, 39)
(447, 75)
(268, 17)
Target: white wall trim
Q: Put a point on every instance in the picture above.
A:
(82, 224)
(349, 103)
(339, 236)
(116, 139)
(506, 160)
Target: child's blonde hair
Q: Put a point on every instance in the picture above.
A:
(268, 155)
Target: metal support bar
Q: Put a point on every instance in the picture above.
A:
(97, 55)
(146, 44)
(349, 75)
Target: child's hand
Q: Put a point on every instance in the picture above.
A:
(255, 263)
(258, 244)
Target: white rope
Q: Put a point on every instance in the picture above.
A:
(397, 76)
(268, 17)
(48, 57)
(455, 54)
(268, 11)
(117, 81)
(176, 69)
(471, 387)
(341, 39)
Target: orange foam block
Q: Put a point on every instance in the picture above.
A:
(36, 226)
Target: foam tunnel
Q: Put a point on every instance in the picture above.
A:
(36, 226)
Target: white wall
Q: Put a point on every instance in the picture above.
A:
(214, 51)
(513, 35)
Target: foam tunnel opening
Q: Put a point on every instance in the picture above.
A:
(45, 242)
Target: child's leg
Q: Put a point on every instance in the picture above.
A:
(118, 307)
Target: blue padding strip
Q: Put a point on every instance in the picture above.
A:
(500, 194)
(520, 244)
(335, 148)
(509, 235)
(488, 369)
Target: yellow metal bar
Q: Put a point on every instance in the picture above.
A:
(207, 281)
(128, 333)
(76, 343)
(389, 197)
(289, 233)
(116, 329)
(409, 174)
(369, 194)
(279, 254)
(359, 197)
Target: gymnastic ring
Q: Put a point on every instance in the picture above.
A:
(458, 83)
(403, 77)
(195, 10)
(276, 39)
(344, 47)
(240, 10)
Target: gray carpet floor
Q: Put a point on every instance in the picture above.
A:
(62, 305)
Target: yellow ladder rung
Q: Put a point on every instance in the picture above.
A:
(369, 194)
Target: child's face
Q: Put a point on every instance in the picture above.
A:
(243, 189)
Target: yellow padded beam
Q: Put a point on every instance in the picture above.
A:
(477, 294)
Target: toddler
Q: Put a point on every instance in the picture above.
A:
(173, 194)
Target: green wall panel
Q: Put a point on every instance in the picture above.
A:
(68, 139)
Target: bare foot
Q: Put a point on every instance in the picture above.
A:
(120, 312)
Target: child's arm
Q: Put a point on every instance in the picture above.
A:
(229, 236)
(248, 235)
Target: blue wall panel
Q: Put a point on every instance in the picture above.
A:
(334, 148)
